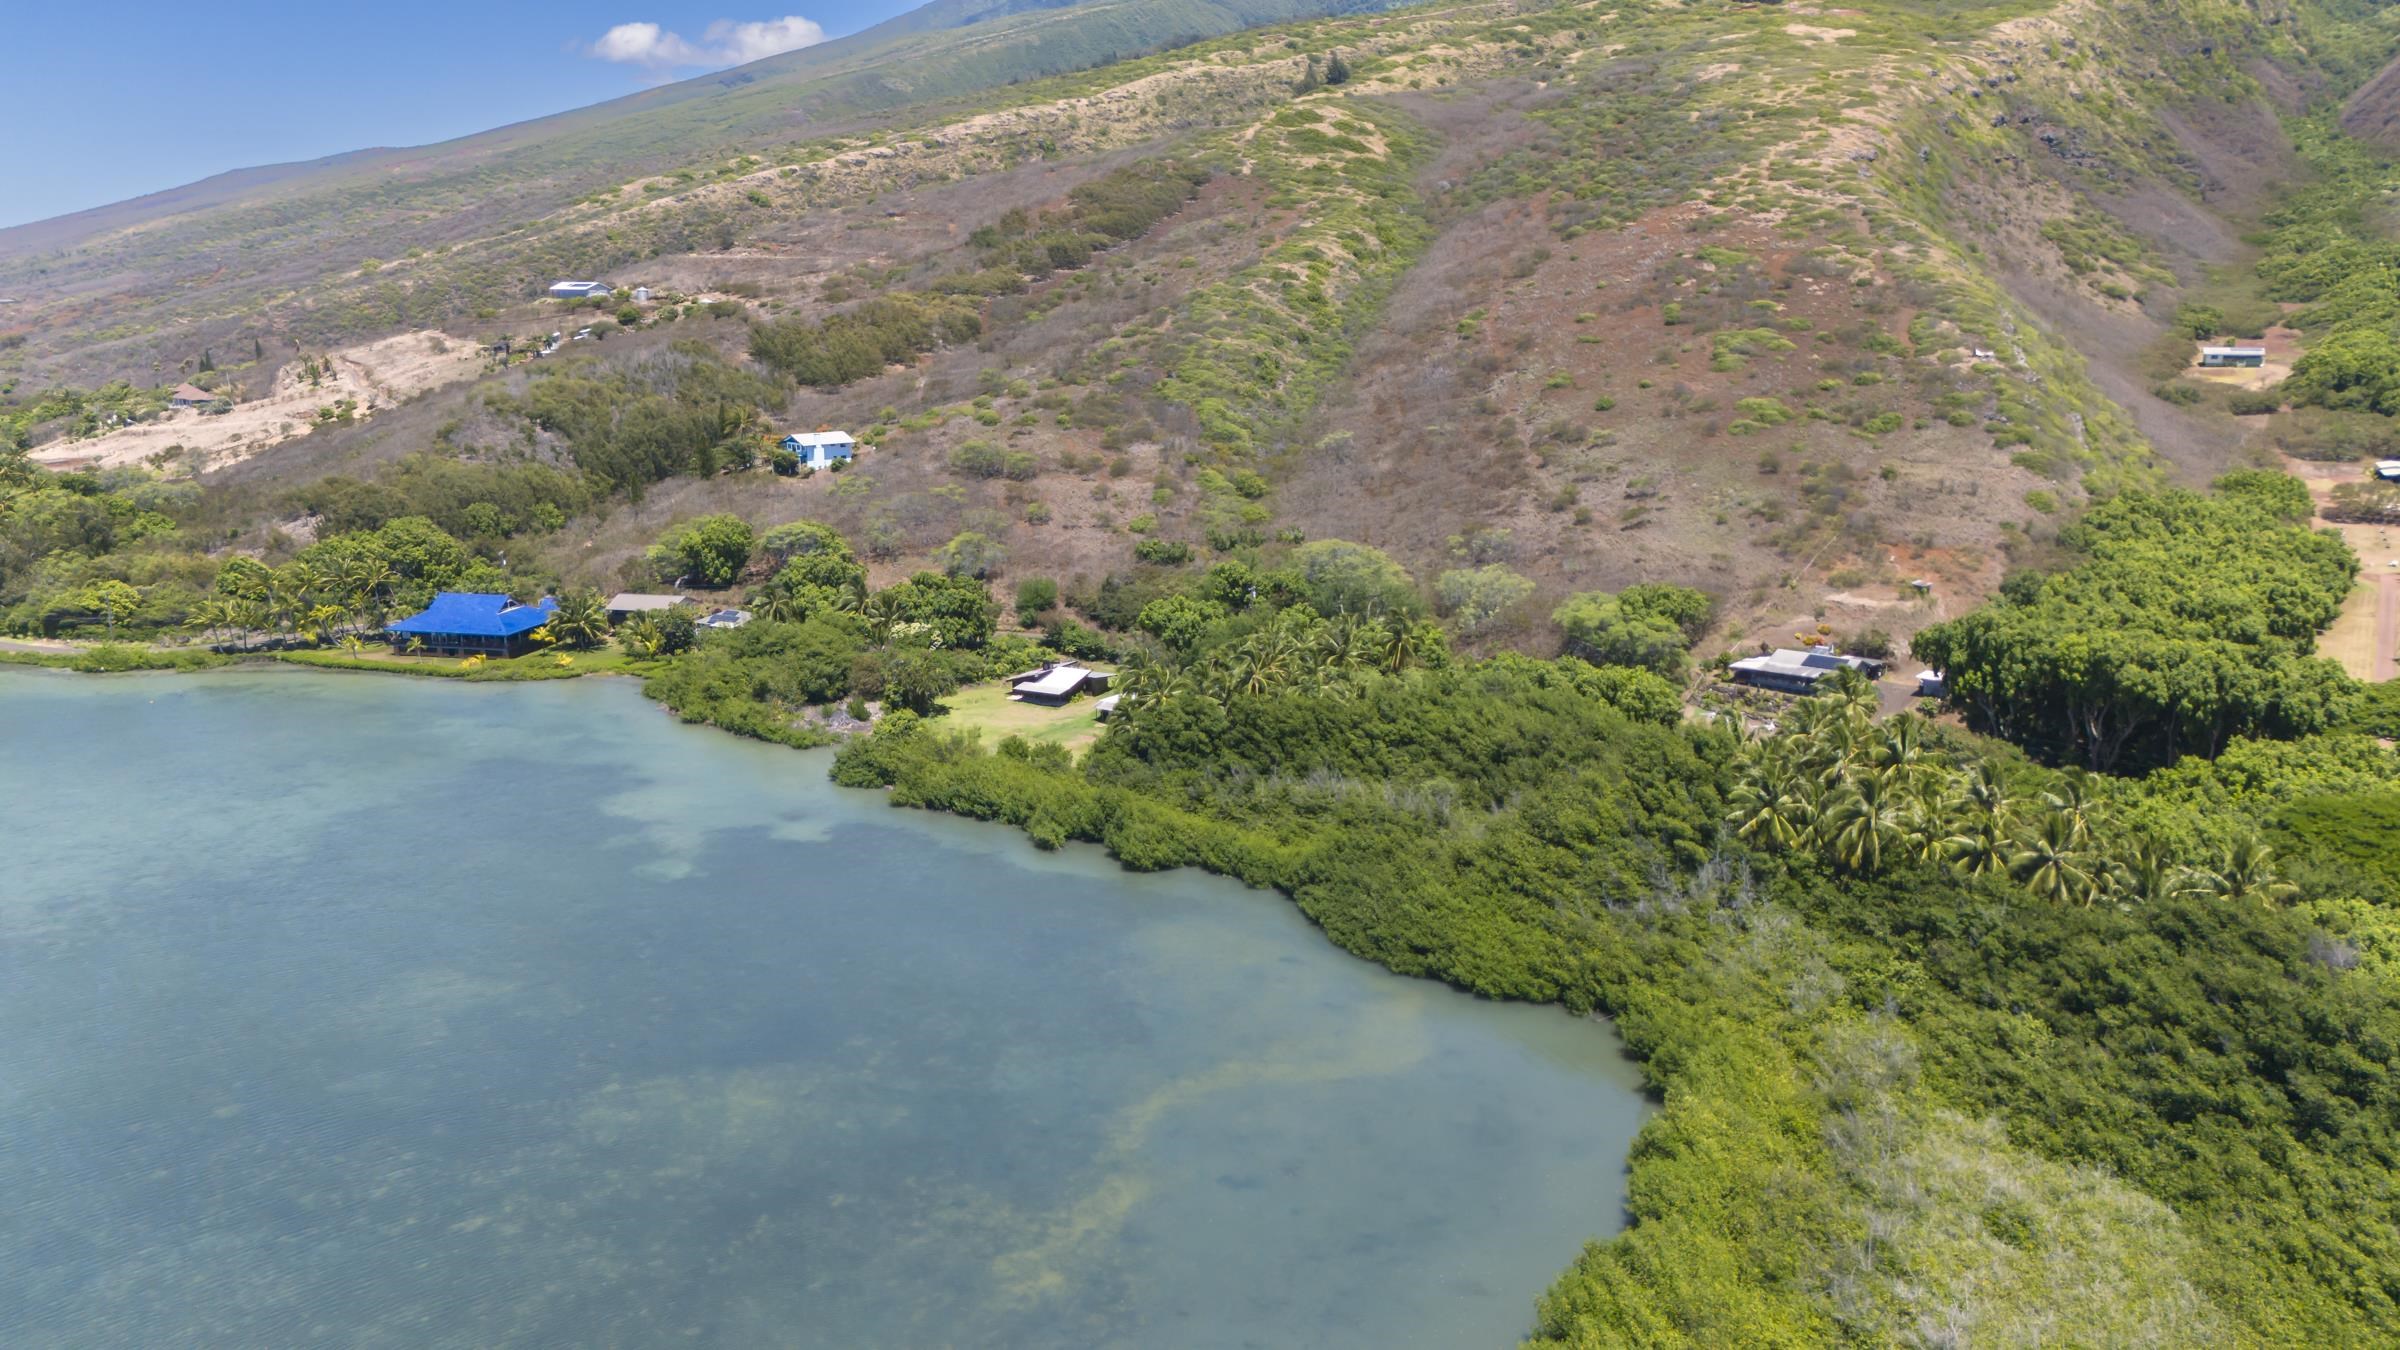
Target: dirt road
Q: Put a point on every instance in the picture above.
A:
(372, 375)
(2387, 625)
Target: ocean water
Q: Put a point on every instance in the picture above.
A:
(361, 1011)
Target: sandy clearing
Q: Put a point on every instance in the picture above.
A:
(2365, 636)
(374, 375)
(2283, 348)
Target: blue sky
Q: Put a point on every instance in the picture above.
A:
(111, 102)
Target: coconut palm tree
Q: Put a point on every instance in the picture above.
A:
(1983, 790)
(2247, 872)
(881, 610)
(1359, 647)
(1902, 748)
(365, 586)
(1865, 823)
(2143, 871)
(1980, 845)
(581, 620)
(2075, 797)
(2050, 861)
(1773, 806)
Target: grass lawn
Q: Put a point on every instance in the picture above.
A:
(988, 708)
(537, 666)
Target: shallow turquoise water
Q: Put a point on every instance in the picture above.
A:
(370, 1011)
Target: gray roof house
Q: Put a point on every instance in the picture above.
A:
(1055, 683)
(625, 604)
(1799, 672)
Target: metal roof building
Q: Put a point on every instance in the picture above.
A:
(474, 623)
(625, 604)
(1798, 672)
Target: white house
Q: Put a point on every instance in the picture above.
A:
(641, 295)
(578, 290)
(2218, 357)
(818, 449)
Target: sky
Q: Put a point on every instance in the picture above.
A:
(101, 105)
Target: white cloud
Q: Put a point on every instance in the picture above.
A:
(723, 43)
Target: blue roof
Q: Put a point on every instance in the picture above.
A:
(476, 614)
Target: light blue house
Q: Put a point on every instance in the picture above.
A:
(819, 449)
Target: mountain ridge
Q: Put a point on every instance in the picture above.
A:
(854, 59)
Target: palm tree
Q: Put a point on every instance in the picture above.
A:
(881, 610)
(581, 619)
(210, 616)
(2051, 863)
(1984, 790)
(1981, 845)
(2247, 872)
(1901, 749)
(323, 617)
(1773, 806)
(1854, 694)
(2143, 871)
(1359, 646)
(1866, 823)
(779, 604)
(2074, 798)
(365, 585)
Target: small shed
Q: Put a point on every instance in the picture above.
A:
(641, 295)
(726, 618)
(190, 396)
(820, 449)
(1930, 684)
(2219, 358)
(1107, 707)
(474, 623)
(625, 604)
(2388, 470)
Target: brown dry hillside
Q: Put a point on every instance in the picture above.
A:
(1798, 305)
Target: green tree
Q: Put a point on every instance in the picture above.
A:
(581, 620)
(1340, 577)
(916, 678)
(1475, 597)
(1337, 71)
(1034, 596)
(1601, 629)
(973, 554)
(1180, 621)
(2356, 368)
(111, 599)
(958, 611)
(709, 551)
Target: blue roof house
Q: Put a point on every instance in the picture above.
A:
(819, 449)
(473, 623)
